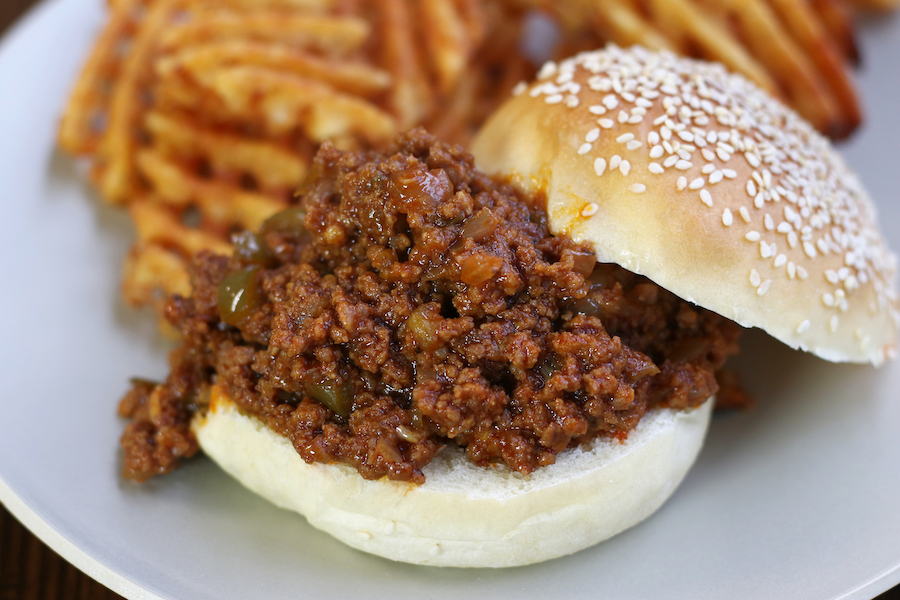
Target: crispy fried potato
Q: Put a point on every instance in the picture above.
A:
(285, 102)
(355, 78)
(223, 207)
(152, 271)
(800, 19)
(411, 97)
(79, 129)
(273, 166)
(115, 154)
(336, 36)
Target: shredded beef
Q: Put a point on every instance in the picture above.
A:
(409, 302)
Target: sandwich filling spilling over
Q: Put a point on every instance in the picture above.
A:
(409, 302)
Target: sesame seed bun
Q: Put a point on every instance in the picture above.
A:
(695, 178)
(464, 515)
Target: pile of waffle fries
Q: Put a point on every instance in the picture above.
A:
(201, 117)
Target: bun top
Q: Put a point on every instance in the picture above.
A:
(697, 179)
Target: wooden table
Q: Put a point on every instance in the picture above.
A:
(29, 570)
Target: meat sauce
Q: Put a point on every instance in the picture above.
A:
(409, 302)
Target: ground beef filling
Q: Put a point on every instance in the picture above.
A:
(408, 302)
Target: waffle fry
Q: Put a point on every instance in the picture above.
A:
(115, 175)
(78, 131)
(411, 97)
(273, 167)
(835, 17)
(330, 35)
(353, 78)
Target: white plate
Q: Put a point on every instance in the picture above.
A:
(796, 499)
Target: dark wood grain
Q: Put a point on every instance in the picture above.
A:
(29, 570)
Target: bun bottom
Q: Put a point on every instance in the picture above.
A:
(464, 515)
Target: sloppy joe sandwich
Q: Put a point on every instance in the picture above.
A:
(409, 358)
(432, 365)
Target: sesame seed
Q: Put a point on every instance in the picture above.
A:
(783, 227)
(809, 249)
(656, 168)
(828, 300)
(637, 188)
(605, 123)
(633, 145)
(715, 177)
(547, 71)
(597, 110)
(653, 138)
(745, 214)
(681, 183)
(752, 236)
(687, 136)
(764, 250)
(364, 535)
(625, 137)
(590, 210)
(592, 135)
(752, 159)
(696, 184)
(791, 270)
(614, 162)
(670, 161)
(801, 272)
(759, 201)
(572, 101)
(625, 167)
(768, 222)
(780, 260)
(729, 173)
(554, 99)
(764, 287)
(723, 156)
(802, 327)
(708, 169)
(520, 88)
(584, 149)
(706, 198)
(623, 117)
(751, 188)
(656, 152)
(683, 165)
(755, 279)
(792, 239)
(683, 153)
(727, 219)
(708, 154)
(666, 133)
(610, 101)
(600, 166)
